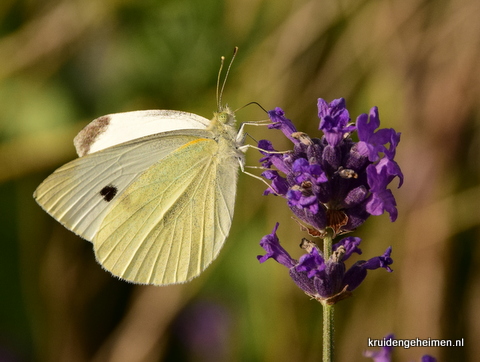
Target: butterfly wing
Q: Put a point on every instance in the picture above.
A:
(80, 193)
(113, 129)
(172, 221)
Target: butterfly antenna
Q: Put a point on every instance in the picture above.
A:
(219, 95)
(246, 105)
(222, 60)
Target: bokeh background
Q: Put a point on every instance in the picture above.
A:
(66, 62)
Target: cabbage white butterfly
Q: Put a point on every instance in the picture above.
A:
(154, 191)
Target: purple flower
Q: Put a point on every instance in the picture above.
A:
(333, 181)
(372, 143)
(272, 159)
(328, 281)
(279, 121)
(306, 172)
(278, 185)
(334, 120)
(358, 272)
(300, 200)
(381, 198)
(274, 250)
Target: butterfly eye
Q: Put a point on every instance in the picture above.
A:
(108, 192)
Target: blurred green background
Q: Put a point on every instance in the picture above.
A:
(66, 62)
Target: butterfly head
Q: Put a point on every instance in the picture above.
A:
(225, 116)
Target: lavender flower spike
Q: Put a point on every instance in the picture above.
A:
(327, 281)
(334, 182)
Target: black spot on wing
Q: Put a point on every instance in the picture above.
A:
(108, 192)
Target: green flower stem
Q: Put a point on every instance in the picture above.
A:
(327, 310)
(327, 247)
(327, 333)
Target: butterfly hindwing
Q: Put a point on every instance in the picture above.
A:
(172, 221)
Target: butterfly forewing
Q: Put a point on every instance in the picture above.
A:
(79, 194)
(113, 129)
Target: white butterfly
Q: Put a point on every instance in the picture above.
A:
(154, 191)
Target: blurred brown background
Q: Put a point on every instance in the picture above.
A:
(66, 62)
